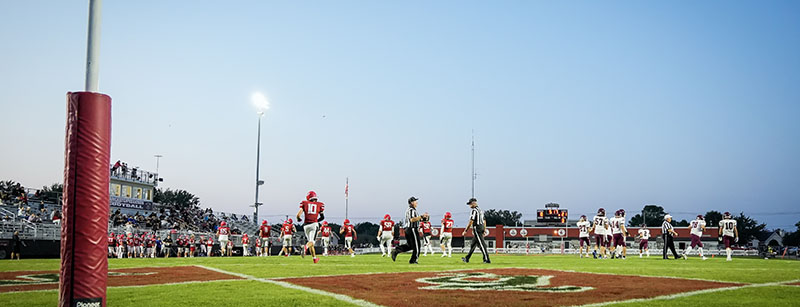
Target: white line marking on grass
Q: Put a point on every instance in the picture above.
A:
(137, 286)
(686, 294)
(633, 275)
(284, 284)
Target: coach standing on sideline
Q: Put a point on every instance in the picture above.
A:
(478, 224)
(667, 232)
(412, 232)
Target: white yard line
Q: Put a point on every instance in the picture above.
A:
(136, 286)
(691, 293)
(284, 284)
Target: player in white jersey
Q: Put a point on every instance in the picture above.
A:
(599, 227)
(696, 229)
(619, 233)
(446, 235)
(728, 233)
(584, 226)
(644, 235)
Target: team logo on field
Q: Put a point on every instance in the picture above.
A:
(487, 281)
(53, 278)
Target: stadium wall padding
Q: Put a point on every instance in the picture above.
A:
(84, 266)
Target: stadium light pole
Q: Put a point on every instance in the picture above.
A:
(262, 105)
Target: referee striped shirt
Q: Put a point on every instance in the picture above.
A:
(666, 227)
(477, 217)
(411, 213)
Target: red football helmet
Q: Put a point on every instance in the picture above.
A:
(311, 195)
(346, 221)
(290, 221)
(222, 223)
(387, 217)
(601, 211)
(244, 235)
(447, 215)
(325, 223)
(621, 212)
(264, 222)
(699, 216)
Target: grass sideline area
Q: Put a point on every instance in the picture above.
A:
(763, 276)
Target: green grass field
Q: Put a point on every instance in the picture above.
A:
(763, 276)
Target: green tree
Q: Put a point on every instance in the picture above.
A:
(52, 193)
(367, 233)
(792, 238)
(177, 199)
(654, 216)
(682, 223)
(501, 217)
(749, 228)
(712, 218)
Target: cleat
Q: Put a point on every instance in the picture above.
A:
(684, 257)
(352, 255)
(394, 255)
(316, 260)
(451, 256)
(465, 260)
(594, 254)
(443, 255)
(704, 258)
(487, 261)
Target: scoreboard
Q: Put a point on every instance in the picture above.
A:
(553, 215)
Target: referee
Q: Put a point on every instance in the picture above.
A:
(667, 233)
(478, 225)
(412, 232)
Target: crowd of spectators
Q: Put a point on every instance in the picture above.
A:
(194, 219)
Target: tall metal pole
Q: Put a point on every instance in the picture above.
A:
(258, 162)
(93, 46)
(347, 197)
(158, 158)
(473, 163)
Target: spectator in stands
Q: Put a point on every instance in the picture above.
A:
(21, 212)
(56, 217)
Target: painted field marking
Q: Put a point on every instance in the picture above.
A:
(284, 284)
(691, 293)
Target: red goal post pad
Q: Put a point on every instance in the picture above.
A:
(84, 267)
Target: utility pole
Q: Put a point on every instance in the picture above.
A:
(473, 163)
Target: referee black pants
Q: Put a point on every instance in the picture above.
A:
(669, 244)
(477, 240)
(412, 244)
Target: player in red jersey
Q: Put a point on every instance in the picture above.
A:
(325, 234)
(287, 229)
(349, 232)
(209, 245)
(245, 245)
(111, 244)
(179, 245)
(223, 232)
(427, 229)
(385, 235)
(311, 210)
(142, 243)
(149, 243)
(446, 235)
(258, 247)
(192, 246)
(263, 234)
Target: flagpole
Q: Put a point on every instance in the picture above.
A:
(346, 196)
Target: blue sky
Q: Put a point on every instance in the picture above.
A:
(692, 106)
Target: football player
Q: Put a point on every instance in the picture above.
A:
(426, 227)
(287, 229)
(245, 245)
(728, 233)
(263, 233)
(696, 229)
(312, 210)
(209, 245)
(111, 242)
(599, 228)
(446, 235)
(230, 248)
(385, 235)
(192, 246)
(349, 232)
(258, 247)
(222, 236)
(620, 232)
(644, 235)
(583, 237)
(325, 234)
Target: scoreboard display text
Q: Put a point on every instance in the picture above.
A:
(551, 216)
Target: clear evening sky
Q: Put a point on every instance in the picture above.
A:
(694, 106)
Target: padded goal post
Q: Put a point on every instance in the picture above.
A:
(84, 266)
